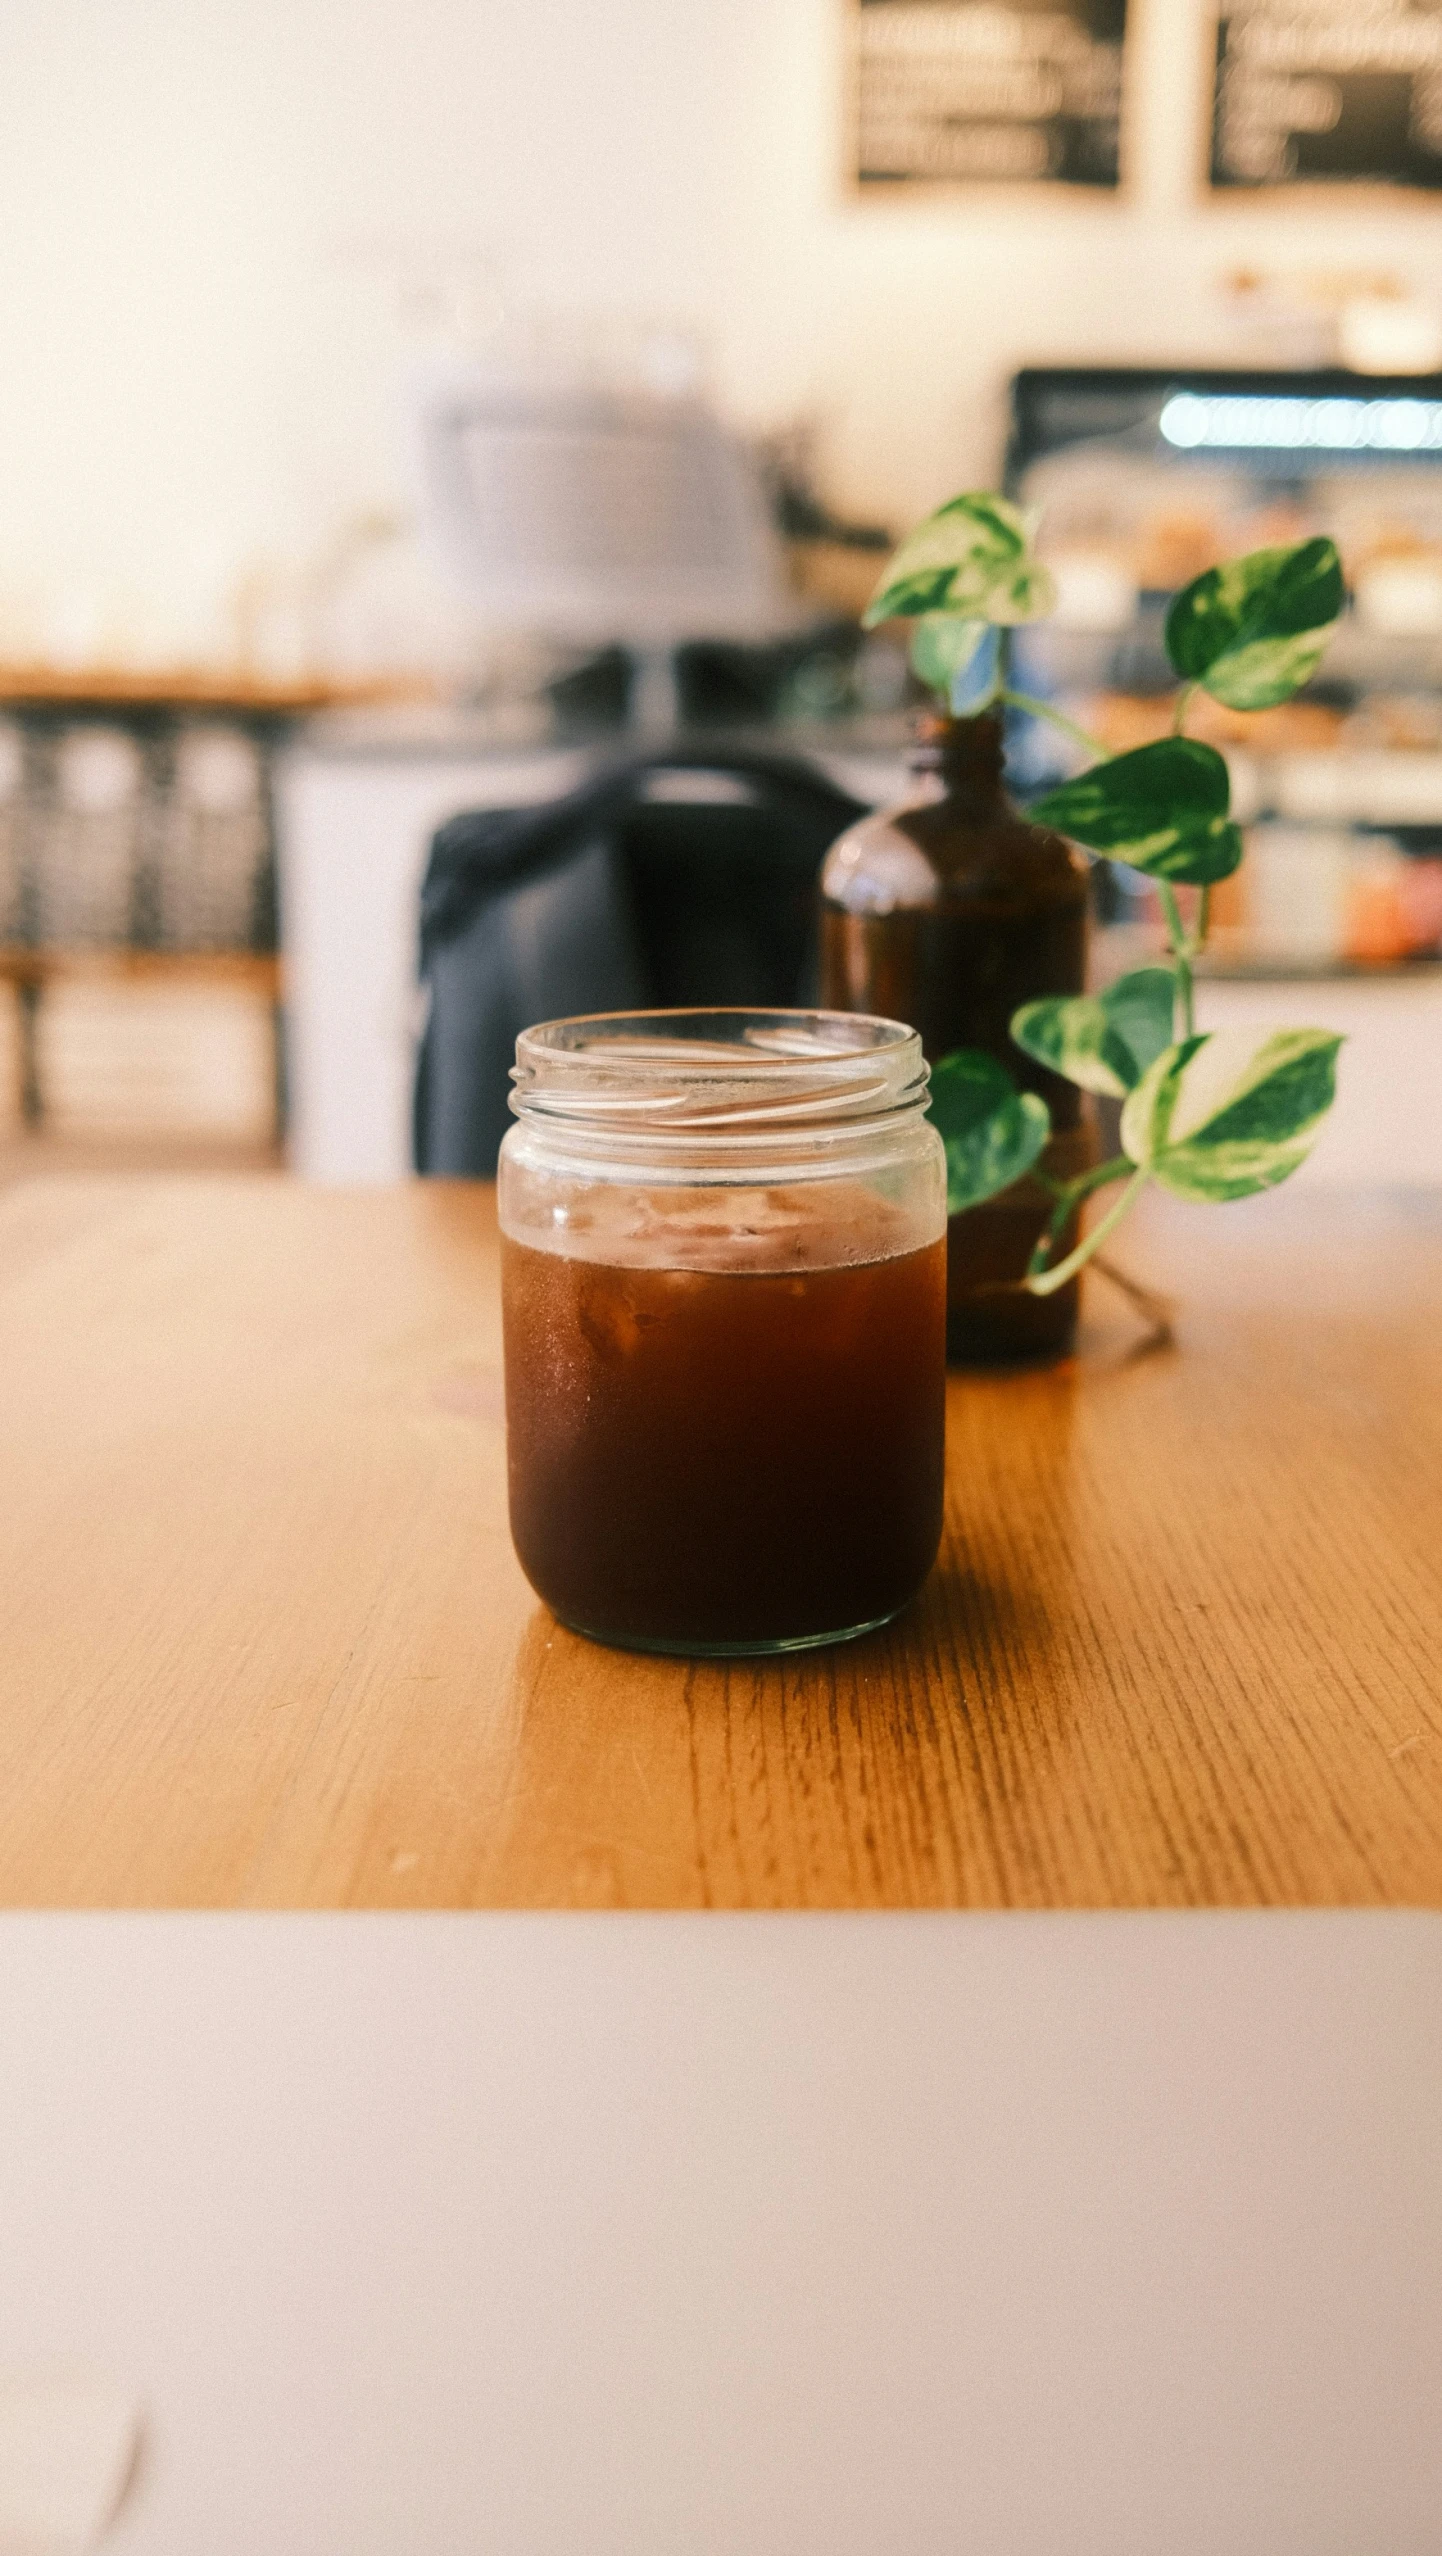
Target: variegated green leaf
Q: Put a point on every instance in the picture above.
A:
(943, 646)
(992, 1132)
(906, 597)
(972, 558)
(1220, 1116)
(1162, 808)
(975, 685)
(1141, 1008)
(1253, 631)
(1028, 594)
(1104, 1042)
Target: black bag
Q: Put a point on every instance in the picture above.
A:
(617, 898)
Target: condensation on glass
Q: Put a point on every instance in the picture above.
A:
(724, 1269)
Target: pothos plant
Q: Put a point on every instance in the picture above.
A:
(1214, 1115)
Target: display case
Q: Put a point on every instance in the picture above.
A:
(1146, 477)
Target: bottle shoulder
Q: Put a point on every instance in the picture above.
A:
(877, 865)
(926, 852)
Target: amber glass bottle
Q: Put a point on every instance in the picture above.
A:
(947, 912)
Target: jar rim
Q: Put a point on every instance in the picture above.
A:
(724, 1070)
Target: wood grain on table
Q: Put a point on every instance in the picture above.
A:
(265, 1642)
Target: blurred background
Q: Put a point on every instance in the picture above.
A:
(403, 407)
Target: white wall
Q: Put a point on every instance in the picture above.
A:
(195, 354)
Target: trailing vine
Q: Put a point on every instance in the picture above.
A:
(1208, 1115)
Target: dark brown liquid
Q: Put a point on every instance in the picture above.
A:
(949, 914)
(702, 1459)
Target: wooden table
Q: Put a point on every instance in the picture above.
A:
(265, 1642)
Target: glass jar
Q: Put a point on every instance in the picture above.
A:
(950, 911)
(723, 1252)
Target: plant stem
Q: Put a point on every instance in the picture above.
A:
(1047, 1283)
(1184, 950)
(1069, 1195)
(1057, 718)
(1181, 950)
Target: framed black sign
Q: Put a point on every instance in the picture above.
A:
(1327, 92)
(997, 92)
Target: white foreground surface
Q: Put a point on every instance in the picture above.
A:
(731, 2236)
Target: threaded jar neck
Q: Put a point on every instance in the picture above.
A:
(718, 1094)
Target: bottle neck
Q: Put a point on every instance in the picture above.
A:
(968, 757)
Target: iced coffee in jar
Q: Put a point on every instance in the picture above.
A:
(724, 1269)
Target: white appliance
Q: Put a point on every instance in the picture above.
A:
(597, 514)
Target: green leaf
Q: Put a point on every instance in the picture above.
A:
(1253, 631)
(1162, 808)
(976, 685)
(917, 591)
(992, 1132)
(972, 558)
(1104, 1042)
(1219, 1117)
(1027, 594)
(1141, 1008)
(942, 646)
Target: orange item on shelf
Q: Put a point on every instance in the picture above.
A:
(1228, 904)
(1376, 920)
(1421, 897)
